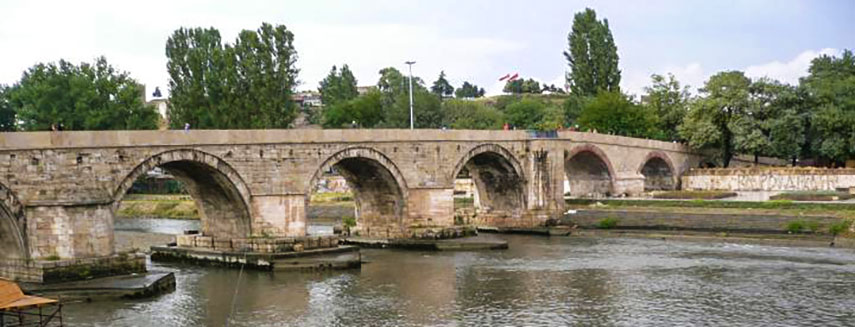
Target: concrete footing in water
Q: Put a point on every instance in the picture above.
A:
(107, 288)
(339, 257)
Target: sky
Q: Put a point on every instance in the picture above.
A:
(474, 40)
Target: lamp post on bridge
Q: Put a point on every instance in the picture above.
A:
(412, 120)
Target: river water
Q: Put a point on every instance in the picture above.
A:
(539, 281)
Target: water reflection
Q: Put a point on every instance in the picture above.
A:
(538, 282)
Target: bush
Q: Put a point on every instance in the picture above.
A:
(349, 222)
(811, 196)
(607, 223)
(839, 227)
(795, 226)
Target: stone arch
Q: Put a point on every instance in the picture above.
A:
(379, 188)
(658, 171)
(221, 195)
(498, 177)
(589, 171)
(13, 226)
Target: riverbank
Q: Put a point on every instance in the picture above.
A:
(323, 206)
(785, 223)
(158, 206)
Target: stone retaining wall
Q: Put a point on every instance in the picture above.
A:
(69, 270)
(258, 245)
(768, 179)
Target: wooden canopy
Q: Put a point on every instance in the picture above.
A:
(12, 298)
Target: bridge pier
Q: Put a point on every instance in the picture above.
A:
(628, 183)
(279, 215)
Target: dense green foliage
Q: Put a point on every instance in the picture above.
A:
(714, 118)
(365, 111)
(831, 85)
(667, 101)
(7, 113)
(338, 86)
(614, 113)
(465, 114)
(441, 87)
(592, 56)
(243, 85)
(519, 86)
(76, 97)
(468, 90)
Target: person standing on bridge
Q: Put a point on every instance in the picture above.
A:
(186, 127)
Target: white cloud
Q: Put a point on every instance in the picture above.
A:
(694, 75)
(790, 71)
(368, 48)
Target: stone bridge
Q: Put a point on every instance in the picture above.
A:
(60, 190)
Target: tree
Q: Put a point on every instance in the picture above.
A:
(592, 56)
(78, 97)
(338, 86)
(614, 113)
(247, 84)
(668, 101)
(711, 120)
(441, 87)
(427, 110)
(526, 113)
(831, 89)
(7, 114)
(394, 88)
(365, 111)
(513, 86)
(468, 90)
(518, 86)
(392, 81)
(460, 114)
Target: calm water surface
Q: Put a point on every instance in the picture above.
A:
(538, 282)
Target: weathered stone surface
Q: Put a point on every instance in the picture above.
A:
(59, 189)
(769, 179)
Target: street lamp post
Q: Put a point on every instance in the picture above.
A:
(412, 120)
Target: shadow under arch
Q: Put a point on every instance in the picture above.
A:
(379, 188)
(221, 195)
(589, 171)
(498, 177)
(13, 227)
(658, 171)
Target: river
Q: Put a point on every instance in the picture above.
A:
(539, 281)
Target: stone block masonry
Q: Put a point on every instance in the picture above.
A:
(59, 191)
(769, 179)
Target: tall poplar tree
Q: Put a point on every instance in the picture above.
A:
(592, 56)
(338, 86)
(247, 84)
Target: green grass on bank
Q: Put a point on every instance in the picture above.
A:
(812, 196)
(331, 197)
(464, 202)
(158, 197)
(772, 205)
(174, 209)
